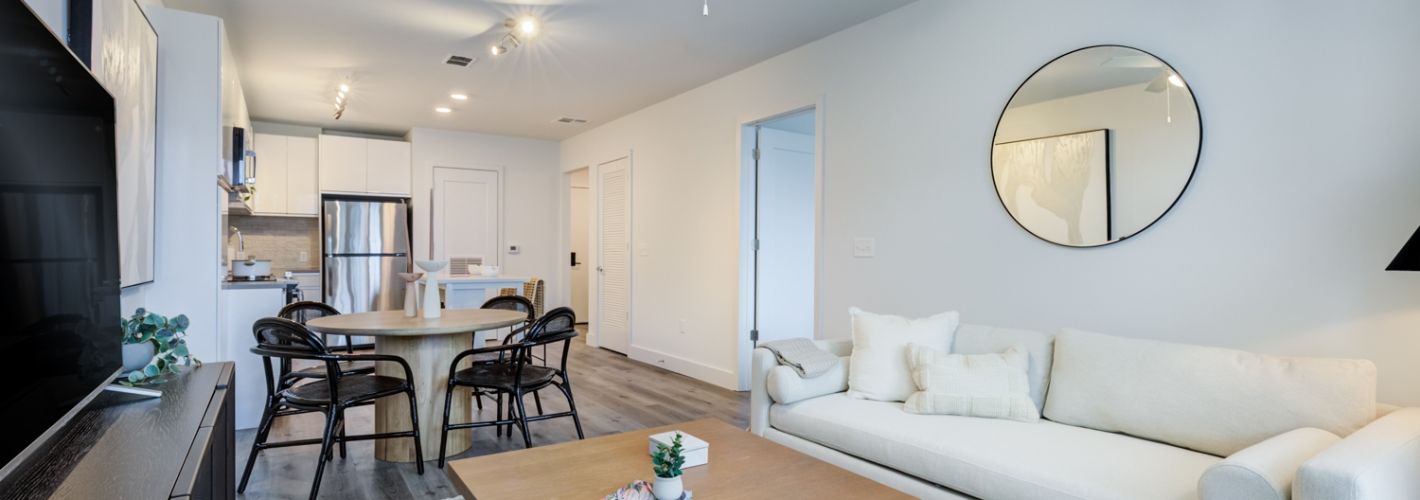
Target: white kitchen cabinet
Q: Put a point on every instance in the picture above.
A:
(285, 176)
(343, 164)
(303, 194)
(271, 186)
(388, 167)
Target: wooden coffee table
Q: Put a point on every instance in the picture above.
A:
(742, 465)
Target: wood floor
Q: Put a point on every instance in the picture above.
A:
(614, 394)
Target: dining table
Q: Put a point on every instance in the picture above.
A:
(429, 345)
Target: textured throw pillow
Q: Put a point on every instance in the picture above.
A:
(971, 385)
(878, 366)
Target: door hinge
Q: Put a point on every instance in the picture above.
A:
(756, 154)
(754, 335)
(756, 245)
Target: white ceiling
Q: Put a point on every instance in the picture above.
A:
(596, 59)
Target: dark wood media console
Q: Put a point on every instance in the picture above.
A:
(123, 446)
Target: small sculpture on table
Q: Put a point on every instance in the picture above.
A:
(411, 293)
(432, 305)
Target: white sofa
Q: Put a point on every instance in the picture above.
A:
(1267, 428)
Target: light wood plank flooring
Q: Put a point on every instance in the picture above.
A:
(614, 394)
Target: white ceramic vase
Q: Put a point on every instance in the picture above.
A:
(411, 293)
(432, 307)
(668, 488)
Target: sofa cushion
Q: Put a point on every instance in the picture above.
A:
(997, 459)
(1208, 399)
(971, 385)
(879, 369)
(786, 385)
(1266, 470)
(980, 339)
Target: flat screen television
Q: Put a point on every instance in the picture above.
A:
(60, 343)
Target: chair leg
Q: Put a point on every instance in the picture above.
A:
(343, 449)
(499, 416)
(566, 387)
(444, 430)
(537, 400)
(331, 418)
(523, 420)
(414, 422)
(263, 430)
(478, 399)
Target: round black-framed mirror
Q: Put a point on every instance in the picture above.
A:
(1096, 146)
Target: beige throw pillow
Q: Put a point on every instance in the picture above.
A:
(971, 385)
(878, 366)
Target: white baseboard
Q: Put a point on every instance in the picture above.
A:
(690, 368)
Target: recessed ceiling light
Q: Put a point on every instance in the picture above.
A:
(498, 50)
(1175, 80)
(459, 97)
(443, 109)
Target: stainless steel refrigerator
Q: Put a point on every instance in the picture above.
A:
(366, 245)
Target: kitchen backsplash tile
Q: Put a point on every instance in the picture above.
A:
(280, 240)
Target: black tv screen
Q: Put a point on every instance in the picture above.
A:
(59, 337)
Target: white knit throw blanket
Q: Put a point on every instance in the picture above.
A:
(802, 355)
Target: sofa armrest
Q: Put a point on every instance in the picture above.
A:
(1379, 461)
(839, 347)
(1264, 470)
(761, 361)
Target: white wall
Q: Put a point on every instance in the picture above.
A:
(1305, 189)
(530, 193)
(1151, 157)
(579, 219)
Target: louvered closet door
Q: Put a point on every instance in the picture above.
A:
(614, 255)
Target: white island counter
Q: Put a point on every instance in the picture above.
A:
(469, 292)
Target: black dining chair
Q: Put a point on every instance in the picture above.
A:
(505, 303)
(517, 376)
(278, 342)
(304, 311)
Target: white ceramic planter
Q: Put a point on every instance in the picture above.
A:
(668, 488)
(136, 356)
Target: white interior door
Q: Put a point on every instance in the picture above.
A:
(467, 214)
(580, 218)
(614, 255)
(784, 220)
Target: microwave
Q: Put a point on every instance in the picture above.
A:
(239, 157)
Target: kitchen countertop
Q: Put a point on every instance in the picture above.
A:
(253, 285)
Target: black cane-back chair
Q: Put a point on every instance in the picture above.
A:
(278, 341)
(517, 376)
(304, 311)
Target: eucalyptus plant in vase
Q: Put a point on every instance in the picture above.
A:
(167, 341)
(666, 462)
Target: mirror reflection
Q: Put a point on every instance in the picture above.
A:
(1096, 146)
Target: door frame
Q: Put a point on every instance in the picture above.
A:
(497, 170)
(594, 279)
(745, 144)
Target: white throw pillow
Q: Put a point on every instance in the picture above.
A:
(971, 385)
(878, 369)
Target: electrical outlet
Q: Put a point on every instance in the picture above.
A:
(305, 257)
(865, 247)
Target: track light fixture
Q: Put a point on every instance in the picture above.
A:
(342, 96)
(518, 30)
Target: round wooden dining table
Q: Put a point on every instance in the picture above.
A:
(429, 345)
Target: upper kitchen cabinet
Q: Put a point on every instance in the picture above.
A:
(364, 166)
(388, 168)
(286, 176)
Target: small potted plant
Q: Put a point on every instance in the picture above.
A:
(666, 462)
(154, 345)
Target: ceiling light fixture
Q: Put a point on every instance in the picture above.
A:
(529, 27)
(705, 9)
(342, 97)
(444, 109)
(1175, 80)
(458, 97)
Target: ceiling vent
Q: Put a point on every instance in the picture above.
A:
(460, 61)
(570, 121)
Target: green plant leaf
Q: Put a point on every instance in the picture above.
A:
(151, 370)
(181, 322)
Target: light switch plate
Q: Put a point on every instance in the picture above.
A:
(865, 247)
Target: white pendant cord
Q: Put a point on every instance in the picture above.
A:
(705, 9)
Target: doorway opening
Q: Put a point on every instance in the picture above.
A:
(579, 237)
(779, 230)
